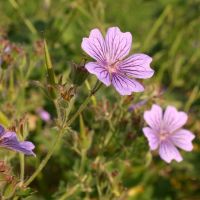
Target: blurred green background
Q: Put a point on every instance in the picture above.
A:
(167, 30)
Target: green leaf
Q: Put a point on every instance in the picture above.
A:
(50, 71)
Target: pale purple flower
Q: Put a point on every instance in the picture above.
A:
(112, 66)
(137, 105)
(165, 132)
(8, 139)
(44, 115)
(7, 49)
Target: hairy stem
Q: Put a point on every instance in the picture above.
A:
(21, 156)
(60, 135)
(46, 159)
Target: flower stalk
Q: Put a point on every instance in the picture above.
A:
(61, 133)
(46, 159)
(21, 157)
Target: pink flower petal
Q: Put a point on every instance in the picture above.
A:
(153, 117)
(100, 71)
(169, 152)
(125, 85)
(183, 139)
(109, 53)
(152, 138)
(27, 145)
(2, 131)
(118, 44)
(44, 115)
(173, 119)
(95, 45)
(137, 66)
(9, 134)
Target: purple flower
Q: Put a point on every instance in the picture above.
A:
(166, 132)
(8, 139)
(112, 66)
(137, 105)
(44, 115)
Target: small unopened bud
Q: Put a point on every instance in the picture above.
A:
(78, 74)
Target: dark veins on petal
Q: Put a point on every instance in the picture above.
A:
(122, 79)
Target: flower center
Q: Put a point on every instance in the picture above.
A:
(112, 68)
(163, 135)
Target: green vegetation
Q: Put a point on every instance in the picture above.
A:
(103, 154)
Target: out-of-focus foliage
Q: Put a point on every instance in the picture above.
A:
(116, 162)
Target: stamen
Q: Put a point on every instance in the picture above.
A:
(112, 68)
(163, 135)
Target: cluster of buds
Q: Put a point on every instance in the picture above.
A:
(66, 91)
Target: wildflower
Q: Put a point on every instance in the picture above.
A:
(8, 139)
(112, 66)
(44, 115)
(137, 105)
(166, 132)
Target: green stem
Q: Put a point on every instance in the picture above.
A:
(26, 21)
(158, 23)
(69, 193)
(84, 104)
(69, 20)
(21, 156)
(89, 88)
(57, 110)
(46, 159)
(81, 108)
(60, 135)
(83, 159)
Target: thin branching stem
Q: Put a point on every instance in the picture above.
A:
(61, 133)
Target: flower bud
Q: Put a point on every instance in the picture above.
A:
(78, 74)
